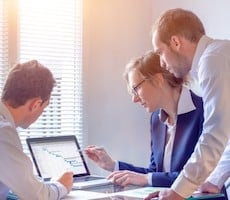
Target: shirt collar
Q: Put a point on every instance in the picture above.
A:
(185, 105)
(192, 76)
(201, 46)
(6, 113)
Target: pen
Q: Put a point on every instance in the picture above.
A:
(81, 150)
(94, 148)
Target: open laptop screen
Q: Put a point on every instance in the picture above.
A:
(53, 156)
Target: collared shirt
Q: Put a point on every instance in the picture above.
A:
(185, 105)
(211, 69)
(169, 146)
(16, 168)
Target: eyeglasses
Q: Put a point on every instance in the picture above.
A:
(134, 89)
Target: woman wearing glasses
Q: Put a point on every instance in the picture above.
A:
(176, 124)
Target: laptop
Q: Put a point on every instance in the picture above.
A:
(52, 156)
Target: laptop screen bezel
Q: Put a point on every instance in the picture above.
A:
(61, 138)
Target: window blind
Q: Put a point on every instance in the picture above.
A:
(3, 42)
(51, 32)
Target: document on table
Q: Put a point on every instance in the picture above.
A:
(140, 192)
(134, 193)
(143, 192)
(84, 195)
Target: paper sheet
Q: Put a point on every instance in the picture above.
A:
(140, 192)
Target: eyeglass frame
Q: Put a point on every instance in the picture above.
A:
(134, 89)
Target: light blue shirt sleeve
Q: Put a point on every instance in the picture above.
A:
(149, 177)
(116, 167)
(17, 169)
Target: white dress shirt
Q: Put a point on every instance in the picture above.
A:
(222, 172)
(169, 146)
(16, 169)
(185, 105)
(211, 69)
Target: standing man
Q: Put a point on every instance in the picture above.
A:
(184, 49)
(24, 97)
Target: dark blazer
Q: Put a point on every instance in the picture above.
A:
(188, 129)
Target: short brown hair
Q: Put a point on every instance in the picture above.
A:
(179, 22)
(148, 65)
(26, 81)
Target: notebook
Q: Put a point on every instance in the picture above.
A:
(52, 156)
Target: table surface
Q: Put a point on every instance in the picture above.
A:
(114, 192)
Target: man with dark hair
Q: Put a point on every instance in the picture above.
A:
(24, 97)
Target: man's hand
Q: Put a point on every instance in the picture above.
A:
(168, 194)
(67, 180)
(126, 177)
(100, 157)
(152, 195)
(209, 188)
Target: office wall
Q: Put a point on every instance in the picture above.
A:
(214, 14)
(114, 31)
